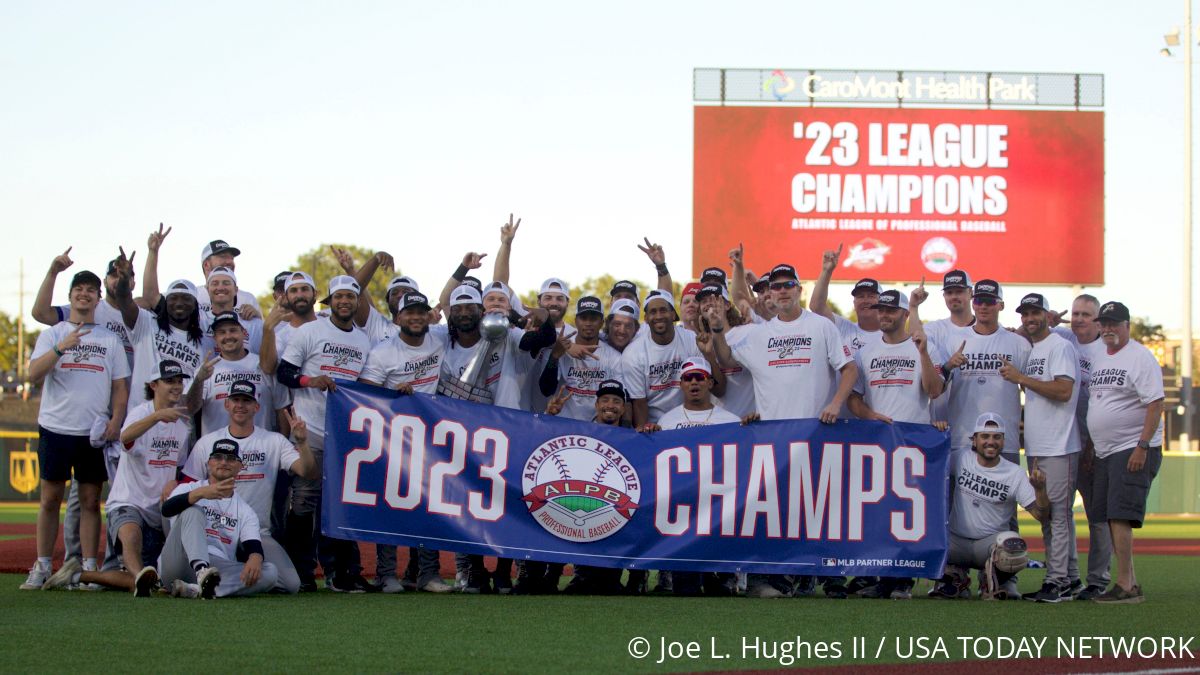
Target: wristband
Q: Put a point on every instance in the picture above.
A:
(460, 273)
(304, 380)
(662, 269)
(58, 351)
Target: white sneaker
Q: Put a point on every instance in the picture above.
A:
(208, 580)
(182, 589)
(89, 587)
(390, 585)
(763, 590)
(144, 582)
(436, 586)
(36, 579)
(65, 576)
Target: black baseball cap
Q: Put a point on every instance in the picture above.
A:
(414, 299)
(589, 305)
(227, 447)
(712, 288)
(612, 387)
(989, 288)
(217, 247)
(893, 299)
(243, 388)
(86, 278)
(782, 270)
(866, 286)
(473, 283)
(624, 286)
(1113, 311)
(761, 285)
(168, 369)
(225, 317)
(714, 275)
(956, 279)
(1033, 301)
(280, 280)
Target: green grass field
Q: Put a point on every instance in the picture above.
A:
(421, 632)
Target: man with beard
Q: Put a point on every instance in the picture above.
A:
(1125, 420)
(217, 253)
(88, 385)
(650, 366)
(222, 290)
(264, 455)
(1051, 383)
(796, 360)
(174, 333)
(897, 378)
(410, 361)
(233, 364)
(579, 378)
(296, 309)
(319, 354)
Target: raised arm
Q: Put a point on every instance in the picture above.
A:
(123, 293)
(818, 302)
(931, 380)
(918, 296)
(43, 307)
(470, 261)
(739, 290)
(656, 255)
(150, 293)
(508, 232)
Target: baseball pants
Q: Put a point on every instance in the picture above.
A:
(188, 542)
(1099, 536)
(1058, 531)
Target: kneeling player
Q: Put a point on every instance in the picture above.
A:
(986, 492)
(214, 548)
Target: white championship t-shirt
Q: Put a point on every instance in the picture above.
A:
(985, 500)
(1123, 385)
(110, 317)
(378, 327)
(321, 348)
(264, 454)
(78, 389)
(148, 464)
(978, 388)
(582, 377)
(1086, 354)
(270, 394)
(651, 370)
(152, 346)
(682, 418)
(231, 521)
(946, 336)
(889, 379)
(393, 362)
(508, 368)
(1050, 426)
(739, 383)
(795, 365)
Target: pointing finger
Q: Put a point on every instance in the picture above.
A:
(839, 250)
(922, 281)
(68, 251)
(962, 347)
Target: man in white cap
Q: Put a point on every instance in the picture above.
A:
(175, 333)
(297, 307)
(801, 369)
(650, 366)
(983, 503)
(318, 355)
(222, 287)
(264, 455)
(380, 328)
(621, 325)
(1051, 383)
(218, 253)
(1125, 420)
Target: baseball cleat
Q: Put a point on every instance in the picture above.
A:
(436, 586)
(208, 580)
(63, 577)
(145, 582)
(182, 589)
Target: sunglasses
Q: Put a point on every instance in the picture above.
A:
(987, 302)
(780, 285)
(694, 377)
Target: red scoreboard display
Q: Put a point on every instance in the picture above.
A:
(1013, 195)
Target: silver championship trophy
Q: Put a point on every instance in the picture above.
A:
(472, 384)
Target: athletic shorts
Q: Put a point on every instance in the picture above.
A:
(1119, 494)
(153, 537)
(59, 454)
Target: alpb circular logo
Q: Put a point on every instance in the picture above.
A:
(580, 488)
(939, 255)
(779, 85)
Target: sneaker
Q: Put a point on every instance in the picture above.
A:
(1090, 593)
(1075, 588)
(763, 590)
(436, 586)
(1032, 596)
(363, 584)
(182, 589)
(460, 580)
(409, 584)
(476, 584)
(390, 585)
(901, 594)
(948, 590)
(144, 582)
(1009, 590)
(502, 583)
(309, 586)
(91, 588)
(860, 585)
(63, 577)
(344, 583)
(208, 579)
(666, 582)
(1119, 596)
(1055, 593)
(835, 591)
(805, 587)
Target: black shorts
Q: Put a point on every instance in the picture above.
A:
(59, 454)
(1117, 493)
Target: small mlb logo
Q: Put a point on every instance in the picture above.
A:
(829, 562)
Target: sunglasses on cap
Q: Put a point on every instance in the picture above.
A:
(693, 377)
(780, 285)
(984, 300)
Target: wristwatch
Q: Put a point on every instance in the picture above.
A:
(1145, 445)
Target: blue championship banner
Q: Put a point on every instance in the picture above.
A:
(784, 497)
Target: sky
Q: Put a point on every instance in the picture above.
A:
(417, 127)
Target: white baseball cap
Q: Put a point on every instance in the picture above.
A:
(497, 287)
(625, 307)
(222, 272)
(297, 278)
(981, 424)
(657, 294)
(215, 247)
(342, 282)
(402, 282)
(695, 363)
(554, 285)
(465, 295)
(182, 287)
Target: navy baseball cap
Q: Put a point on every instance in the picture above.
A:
(244, 389)
(280, 280)
(1113, 311)
(86, 278)
(217, 246)
(414, 299)
(613, 388)
(473, 283)
(227, 447)
(1033, 301)
(892, 299)
(956, 279)
(866, 286)
(713, 288)
(589, 305)
(624, 286)
(761, 285)
(224, 318)
(713, 275)
(783, 270)
(989, 288)
(168, 369)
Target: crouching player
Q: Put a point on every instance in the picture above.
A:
(987, 489)
(214, 548)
